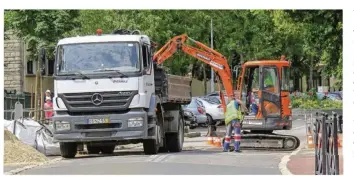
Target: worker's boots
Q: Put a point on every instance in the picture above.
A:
(237, 146)
(227, 144)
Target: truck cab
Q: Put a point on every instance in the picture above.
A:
(105, 94)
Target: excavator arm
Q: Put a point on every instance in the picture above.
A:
(217, 61)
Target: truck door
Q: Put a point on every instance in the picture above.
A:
(270, 92)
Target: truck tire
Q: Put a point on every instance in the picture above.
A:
(109, 149)
(150, 146)
(175, 140)
(93, 149)
(68, 150)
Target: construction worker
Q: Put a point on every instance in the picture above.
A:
(233, 118)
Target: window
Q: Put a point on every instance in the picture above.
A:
(285, 79)
(31, 67)
(193, 104)
(146, 58)
(99, 57)
(199, 103)
(270, 80)
(50, 67)
(255, 78)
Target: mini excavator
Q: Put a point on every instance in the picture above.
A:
(263, 86)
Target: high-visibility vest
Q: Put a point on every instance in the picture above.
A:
(232, 112)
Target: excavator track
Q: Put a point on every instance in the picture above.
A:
(269, 142)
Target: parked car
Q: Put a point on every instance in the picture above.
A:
(336, 95)
(331, 95)
(198, 110)
(214, 111)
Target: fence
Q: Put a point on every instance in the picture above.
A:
(19, 112)
(326, 144)
(10, 100)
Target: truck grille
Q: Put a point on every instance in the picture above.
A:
(97, 101)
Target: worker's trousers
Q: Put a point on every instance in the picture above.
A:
(236, 127)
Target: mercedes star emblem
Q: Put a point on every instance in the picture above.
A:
(97, 99)
(96, 82)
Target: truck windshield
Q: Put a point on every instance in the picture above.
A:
(98, 57)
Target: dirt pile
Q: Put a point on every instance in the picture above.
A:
(16, 152)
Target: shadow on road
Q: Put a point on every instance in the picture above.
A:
(119, 153)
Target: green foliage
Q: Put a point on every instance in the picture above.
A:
(305, 103)
(41, 28)
(252, 34)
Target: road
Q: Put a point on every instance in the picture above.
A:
(197, 158)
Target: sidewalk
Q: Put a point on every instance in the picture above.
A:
(303, 163)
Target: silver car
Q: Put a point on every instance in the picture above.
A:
(197, 108)
(213, 108)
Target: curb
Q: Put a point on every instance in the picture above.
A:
(285, 159)
(19, 170)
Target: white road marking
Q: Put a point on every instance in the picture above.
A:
(161, 158)
(151, 158)
(157, 158)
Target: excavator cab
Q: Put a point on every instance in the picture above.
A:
(264, 89)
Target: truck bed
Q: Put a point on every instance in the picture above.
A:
(173, 88)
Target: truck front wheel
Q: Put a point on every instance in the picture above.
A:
(151, 146)
(175, 140)
(68, 150)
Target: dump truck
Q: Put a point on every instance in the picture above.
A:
(108, 91)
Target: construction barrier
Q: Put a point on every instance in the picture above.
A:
(310, 122)
(326, 145)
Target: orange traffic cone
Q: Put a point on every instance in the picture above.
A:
(217, 142)
(210, 140)
(310, 143)
(211, 134)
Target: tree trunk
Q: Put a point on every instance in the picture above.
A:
(311, 73)
(204, 80)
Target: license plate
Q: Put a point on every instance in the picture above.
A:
(253, 122)
(98, 121)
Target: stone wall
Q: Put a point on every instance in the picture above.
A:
(13, 63)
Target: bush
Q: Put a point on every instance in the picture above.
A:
(306, 103)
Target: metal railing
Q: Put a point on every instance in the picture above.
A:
(326, 144)
(19, 112)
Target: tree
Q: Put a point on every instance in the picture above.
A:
(41, 28)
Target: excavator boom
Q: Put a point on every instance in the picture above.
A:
(217, 61)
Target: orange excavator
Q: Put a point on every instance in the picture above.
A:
(262, 85)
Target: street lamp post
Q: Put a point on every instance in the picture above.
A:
(211, 46)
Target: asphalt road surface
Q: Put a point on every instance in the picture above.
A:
(197, 158)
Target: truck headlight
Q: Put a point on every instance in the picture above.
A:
(62, 125)
(135, 122)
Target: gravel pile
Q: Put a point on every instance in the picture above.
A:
(16, 152)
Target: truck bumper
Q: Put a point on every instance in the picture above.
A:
(113, 130)
(267, 124)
